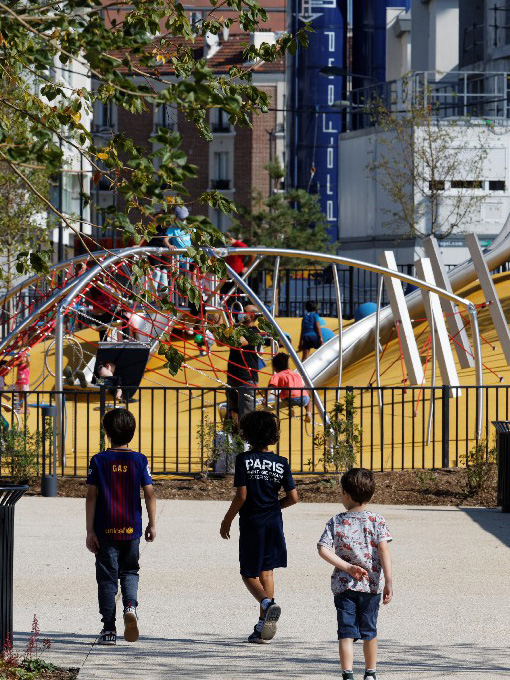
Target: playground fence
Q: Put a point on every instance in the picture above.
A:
(177, 426)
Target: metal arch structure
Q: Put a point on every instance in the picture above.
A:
(354, 337)
(359, 333)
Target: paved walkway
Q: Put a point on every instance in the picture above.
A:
(450, 617)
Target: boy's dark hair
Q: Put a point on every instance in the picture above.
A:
(359, 483)
(310, 306)
(119, 425)
(260, 429)
(280, 362)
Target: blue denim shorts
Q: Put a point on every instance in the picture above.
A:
(356, 614)
(296, 401)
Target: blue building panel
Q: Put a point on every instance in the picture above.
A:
(315, 123)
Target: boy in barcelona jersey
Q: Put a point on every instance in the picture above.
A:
(259, 476)
(355, 542)
(114, 522)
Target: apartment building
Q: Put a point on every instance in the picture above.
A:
(233, 162)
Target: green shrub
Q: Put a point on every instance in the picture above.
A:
(341, 439)
(19, 450)
(479, 462)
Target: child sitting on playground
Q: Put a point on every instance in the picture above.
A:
(356, 544)
(311, 333)
(259, 476)
(114, 522)
(283, 377)
(106, 373)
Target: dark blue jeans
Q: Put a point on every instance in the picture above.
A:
(116, 561)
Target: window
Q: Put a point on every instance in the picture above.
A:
(221, 170)
(437, 185)
(497, 185)
(166, 117)
(220, 121)
(103, 116)
(195, 21)
(467, 184)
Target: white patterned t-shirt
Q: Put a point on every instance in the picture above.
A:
(354, 537)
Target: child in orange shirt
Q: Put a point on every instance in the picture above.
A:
(285, 378)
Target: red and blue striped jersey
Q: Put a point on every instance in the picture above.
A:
(118, 475)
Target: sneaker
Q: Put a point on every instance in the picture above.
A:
(271, 615)
(256, 637)
(107, 637)
(370, 674)
(131, 633)
(68, 375)
(347, 675)
(81, 377)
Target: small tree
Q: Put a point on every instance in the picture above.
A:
(22, 214)
(290, 219)
(429, 167)
(341, 439)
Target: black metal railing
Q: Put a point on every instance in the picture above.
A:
(177, 426)
(296, 286)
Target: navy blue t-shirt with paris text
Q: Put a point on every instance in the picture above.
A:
(263, 474)
(118, 475)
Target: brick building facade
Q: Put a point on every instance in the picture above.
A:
(233, 162)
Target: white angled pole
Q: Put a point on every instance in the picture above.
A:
(401, 316)
(453, 318)
(438, 328)
(489, 291)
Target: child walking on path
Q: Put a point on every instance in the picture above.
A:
(259, 476)
(114, 522)
(356, 544)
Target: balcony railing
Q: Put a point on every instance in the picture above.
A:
(455, 94)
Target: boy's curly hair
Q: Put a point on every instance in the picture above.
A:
(260, 429)
(359, 483)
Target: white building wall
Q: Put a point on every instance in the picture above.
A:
(398, 43)
(435, 35)
(363, 204)
(77, 170)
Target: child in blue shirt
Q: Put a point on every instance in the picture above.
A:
(311, 332)
(114, 521)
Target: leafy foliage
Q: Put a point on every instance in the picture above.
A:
(23, 235)
(479, 462)
(132, 69)
(43, 43)
(19, 451)
(231, 444)
(341, 439)
(29, 665)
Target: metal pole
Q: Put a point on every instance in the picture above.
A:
(276, 277)
(478, 368)
(49, 482)
(253, 266)
(433, 379)
(340, 323)
(378, 358)
(58, 421)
